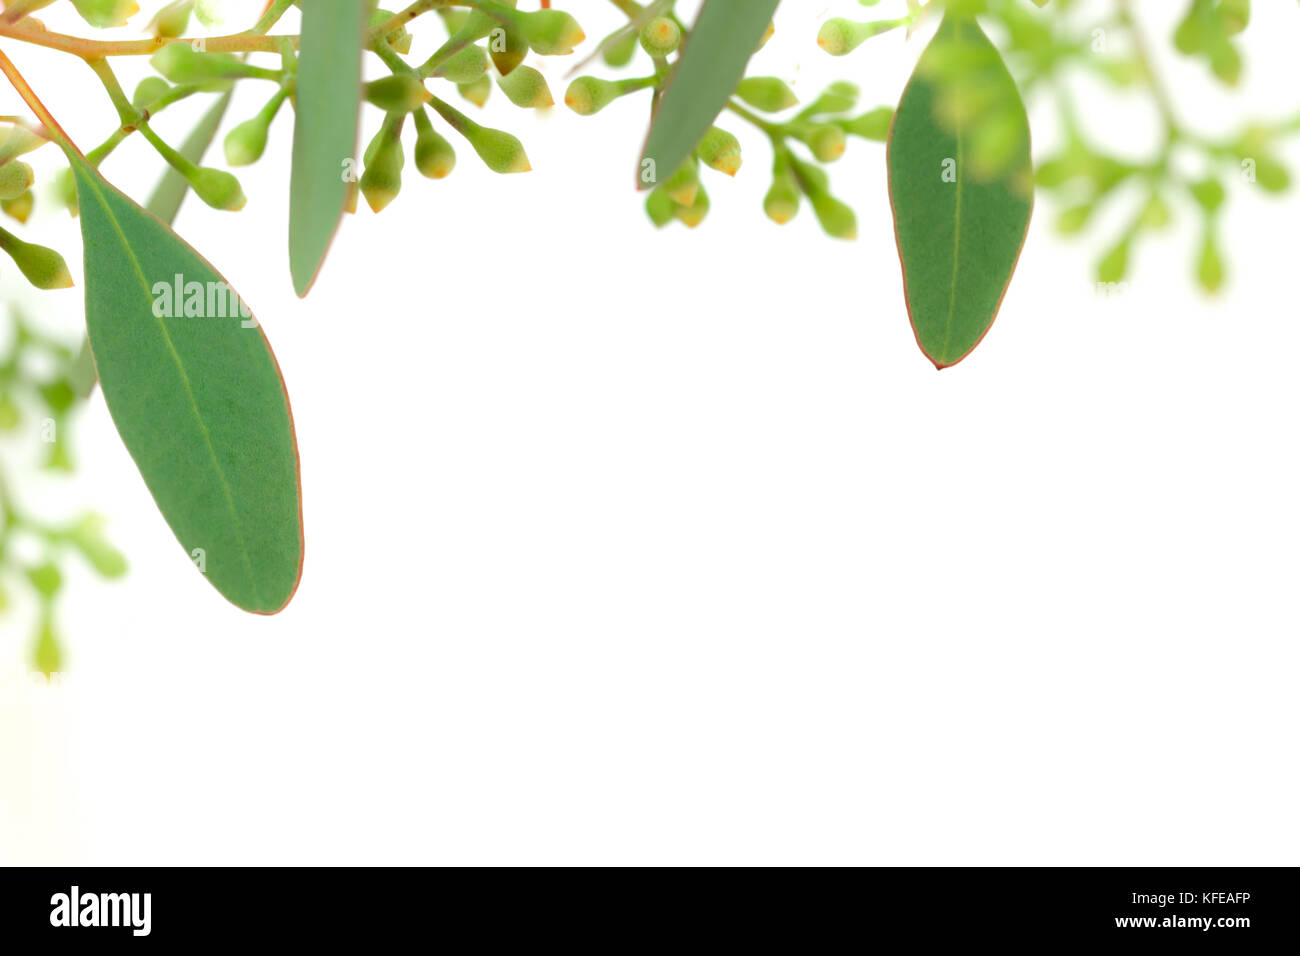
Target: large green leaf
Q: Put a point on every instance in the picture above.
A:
(198, 399)
(328, 106)
(961, 185)
(712, 64)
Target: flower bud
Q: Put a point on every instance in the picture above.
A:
(550, 32)
(660, 37)
(465, 66)
(508, 48)
(683, 185)
(782, 201)
(87, 536)
(840, 97)
(620, 51)
(837, 219)
(588, 95)
(65, 187)
(172, 20)
(183, 64)
(16, 178)
(1210, 270)
(17, 141)
(766, 93)
(399, 39)
(659, 206)
(526, 88)
(47, 657)
(400, 93)
(246, 142)
(20, 207)
(694, 214)
(434, 156)
(42, 267)
(382, 179)
(873, 125)
(11, 415)
(1113, 266)
(720, 150)
(826, 140)
(149, 91)
(476, 92)
(218, 188)
(102, 14)
(840, 36)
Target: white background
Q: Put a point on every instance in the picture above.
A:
(639, 547)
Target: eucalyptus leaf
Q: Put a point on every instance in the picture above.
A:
(961, 186)
(711, 66)
(328, 106)
(196, 395)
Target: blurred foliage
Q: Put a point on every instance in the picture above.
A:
(42, 381)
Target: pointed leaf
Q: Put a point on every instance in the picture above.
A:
(198, 400)
(328, 105)
(961, 186)
(711, 66)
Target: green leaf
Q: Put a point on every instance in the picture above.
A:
(961, 186)
(198, 400)
(711, 66)
(328, 104)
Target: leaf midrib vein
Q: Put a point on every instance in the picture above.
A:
(189, 391)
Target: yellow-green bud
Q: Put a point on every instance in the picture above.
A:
(622, 49)
(826, 140)
(400, 93)
(399, 39)
(382, 179)
(694, 214)
(526, 88)
(466, 66)
(87, 535)
(720, 150)
(434, 156)
(43, 267)
(1210, 270)
(782, 201)
(102, 14)
(172, 20)
(837, 219)
(508, 48)
(659, 206)
(16, 178)
(65, 187)
(11, 417)
(246, 142)
(550, 32)
(501, 152)
(588, 94)
(183, 64)
(20, 207)
(660, 37)
(873, 125)
(17, 141)
(476, 92)
(47, 657)
(840, 36)
(683, 185)
(218, 188)
(149, 91)
(766, 93)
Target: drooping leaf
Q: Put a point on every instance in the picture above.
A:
(197, 398)
(961, 186)
(328, 105)
(712, 64)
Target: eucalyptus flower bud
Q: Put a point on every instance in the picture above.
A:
(149, 91)
(550, 32)
(182, 64)
(720, 150)
(399, 39)
(434, 156)
(694, 214)
(659, 206)
(526, 88)
(20, 207)
(660, 37)
(500, 152)
(826, 140)
(42, 267)
(588, 95)
(382, 179)
(766, 93)
(218, 188)
(172, 20)
(466, 66)
(400, 93)
(508, 48)
(65, 187)
(872, 125)
(782, 200)
(47, 656)
(476, 92)
(102, 14)
(683, 184)
(840, 36)
(621, 50)
(16, 178)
